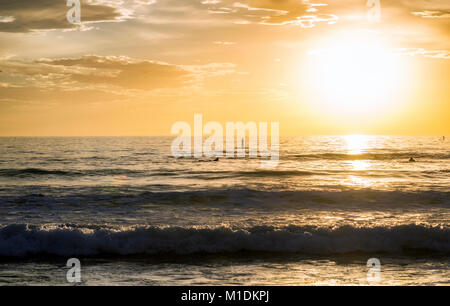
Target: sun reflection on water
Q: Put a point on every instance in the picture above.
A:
(360, 165)
(356, 144)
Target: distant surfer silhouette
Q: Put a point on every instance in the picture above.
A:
(208, 160)
(412, 160)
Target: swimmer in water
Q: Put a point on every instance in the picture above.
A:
(412, 160)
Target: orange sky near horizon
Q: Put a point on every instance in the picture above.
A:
(134, 68)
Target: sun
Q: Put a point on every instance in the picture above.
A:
(354, 75)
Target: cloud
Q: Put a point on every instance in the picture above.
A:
(224, 43)
(286, 10)
(440, 54)
(432, 14)
(269, 12)
(280, 12)
(29, 15)
(422, 8)
(108, 71)
(123, 72)
(425, 4)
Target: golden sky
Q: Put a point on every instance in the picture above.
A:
(135, 67)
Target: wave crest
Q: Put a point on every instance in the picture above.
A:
(74, 240)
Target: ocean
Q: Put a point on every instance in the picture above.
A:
(134, 215)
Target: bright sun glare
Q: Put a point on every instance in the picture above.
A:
(356, 144)
(354, 75)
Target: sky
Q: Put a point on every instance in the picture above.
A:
(135, 67)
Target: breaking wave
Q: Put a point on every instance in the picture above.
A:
(18, 240)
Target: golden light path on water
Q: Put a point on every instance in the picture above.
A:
(355, 145)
